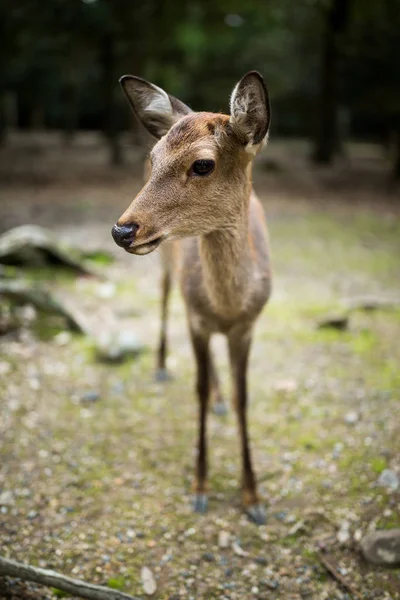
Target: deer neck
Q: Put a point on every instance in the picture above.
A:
(225, 257)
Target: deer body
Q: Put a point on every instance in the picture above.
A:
(199, 192)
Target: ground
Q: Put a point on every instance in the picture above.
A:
(98, 458)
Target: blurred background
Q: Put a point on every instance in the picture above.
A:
(331, 66)
(95, 456)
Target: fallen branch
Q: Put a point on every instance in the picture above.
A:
(336, 575)
(53, 579)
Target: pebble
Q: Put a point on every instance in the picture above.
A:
(272, 584)
(343, 535)
(7, 498)
(261, 560)
(351, 418)
(389, 479)
(382, 547)
(238, 549)
(91, 396)
(148, 581)
(62, 338)
(223, 539)
(208, 556)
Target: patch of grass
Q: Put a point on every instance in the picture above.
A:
(116, 583)
(59, 593)
(378, 464)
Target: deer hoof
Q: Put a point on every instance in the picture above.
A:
(200, 503)
(162, 375)
(256, 514)
(220, 409)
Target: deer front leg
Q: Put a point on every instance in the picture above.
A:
(161, 372)
(239, 349)
(200, 342)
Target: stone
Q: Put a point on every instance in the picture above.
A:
(208, 556)
(91, 396)
(351, 418)
(389, 479)
(238, 549)
(148, 581)
(6, 498)
(223, 539)
(382, 547)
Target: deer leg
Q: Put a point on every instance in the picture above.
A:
(239, 349)
(217, 399)
(161, 372)
(200, 344)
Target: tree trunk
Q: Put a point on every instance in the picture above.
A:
(3, 121)
(111, 108)
(70, 106)
(327, 136)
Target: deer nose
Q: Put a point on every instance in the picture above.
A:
(124, 234)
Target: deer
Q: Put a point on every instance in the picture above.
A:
(199, 205)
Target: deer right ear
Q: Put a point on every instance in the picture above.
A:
(155, 109)
(250, 111)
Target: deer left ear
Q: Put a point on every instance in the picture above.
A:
(250, 111)
(156, 109)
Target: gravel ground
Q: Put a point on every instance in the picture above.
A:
(97, 459)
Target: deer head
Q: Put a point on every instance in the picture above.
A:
(199, 179)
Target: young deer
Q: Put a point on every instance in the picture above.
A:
(199, 192)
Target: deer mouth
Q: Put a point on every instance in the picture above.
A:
(146, 247)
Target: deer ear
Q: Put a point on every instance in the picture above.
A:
(250, 111)
(156, 109)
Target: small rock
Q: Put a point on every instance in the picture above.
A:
(32, 514)
(351, 418)
(239, 550)
(106, 290)
(114, 346)
(208, 556)
(382, 547)
(254, 589)
(389, 479)
(62, 338)
(261, 560)
(343, 535)
(7, 498)
(148, 581)
(223, 539)
(272, 584)
(91, 396)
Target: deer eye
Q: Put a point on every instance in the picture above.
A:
(202, 167)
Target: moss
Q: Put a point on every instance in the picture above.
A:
(116, 583)
(59, 593)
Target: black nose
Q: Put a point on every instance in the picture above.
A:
(124, 235)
